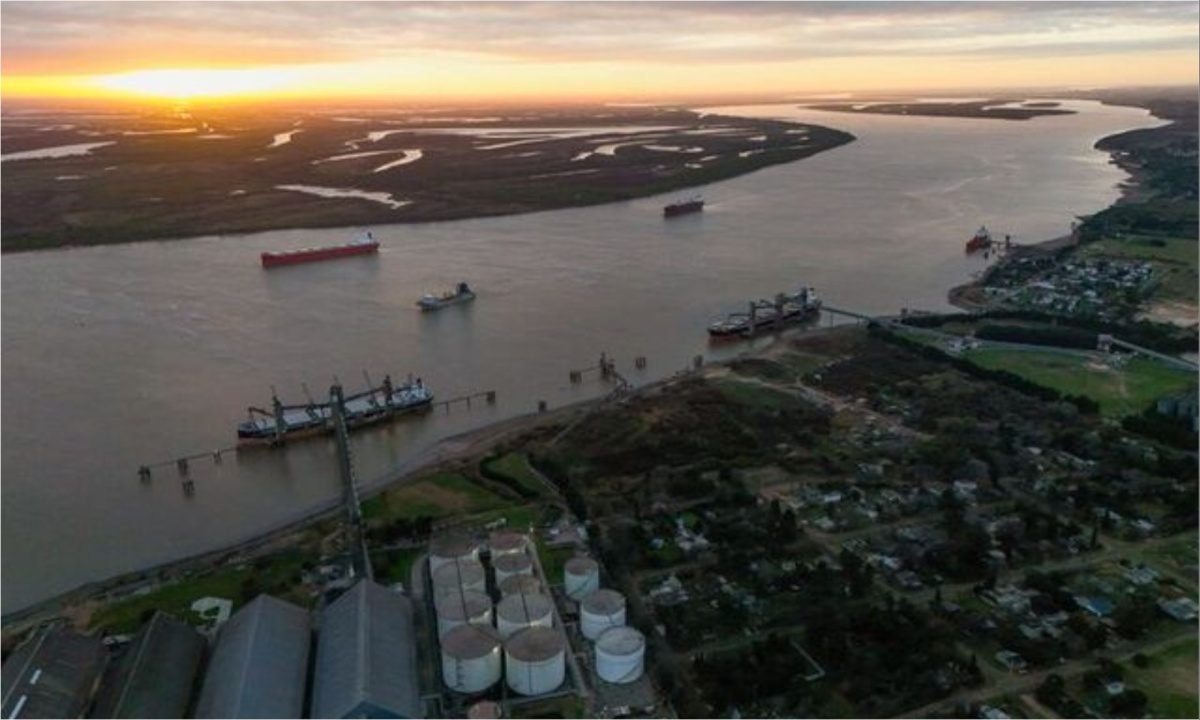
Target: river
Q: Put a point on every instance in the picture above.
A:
(123, 355)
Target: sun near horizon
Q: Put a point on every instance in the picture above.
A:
(581, 51)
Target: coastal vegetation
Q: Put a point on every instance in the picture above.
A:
(996, 109)
(219, 171)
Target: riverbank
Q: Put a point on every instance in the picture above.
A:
(330, 171)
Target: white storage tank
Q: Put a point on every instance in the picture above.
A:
(448, 548)
(520, 585)
(517, 612)
(620, 655)
(471, 658)
(508, 565)
(465, 607)
(506, 543)
(459, 575)
(581, 577)
(600, 611)
(534, 661)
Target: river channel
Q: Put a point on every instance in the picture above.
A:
(118, 356)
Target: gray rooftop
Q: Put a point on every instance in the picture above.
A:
(52, 674)
(367, 657)
(154, 676)
(259, 666)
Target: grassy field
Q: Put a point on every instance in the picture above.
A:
(1169, 681)
(1125, 390)
(751, 394)
(516, 467)
(277, 575)
(435, 496)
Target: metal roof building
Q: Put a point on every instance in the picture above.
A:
(367, 657)
(52, 674)
(154, 676)
(259, 666)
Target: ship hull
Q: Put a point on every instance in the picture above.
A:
(304, 421)
(277, 259)
(739, 330)
(682, 209)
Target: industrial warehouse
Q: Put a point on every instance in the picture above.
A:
(483, 634)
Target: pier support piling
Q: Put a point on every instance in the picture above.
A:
(182, 464)
(639, 362)
(144, 473)
(491, 397)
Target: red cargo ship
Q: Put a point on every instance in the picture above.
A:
(981, 241)
(359, 246)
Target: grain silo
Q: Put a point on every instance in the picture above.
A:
(517, 612)
(620, 655)
(507, 543)
(471, 658)
(534, 661)
(581, 577)
(465, 607)
(459, 575)
(600, 611)
(448, 548)
(520, 585)
(508, 565)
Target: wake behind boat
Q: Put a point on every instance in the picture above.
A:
(362, 245)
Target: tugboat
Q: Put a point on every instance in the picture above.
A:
(684, 207)
(981, 241)
(462, 293)
(784, 308)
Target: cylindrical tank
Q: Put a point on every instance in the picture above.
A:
(447, 548)
(600, 611)
(459, 575)
(581, 577)
(465, 607)
(620, 655)
(471, 658)
(520, 585)
(517, 612)
(506, 543)
(534, 661)
(508, 565)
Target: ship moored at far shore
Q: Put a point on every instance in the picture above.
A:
(374, 405)
(765, 314)
(683, 207)
(362, 245)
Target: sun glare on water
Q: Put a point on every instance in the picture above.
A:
(187, 84)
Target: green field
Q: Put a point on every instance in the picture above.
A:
(1120, 391)
(277, 575)
(752, 394)
(1169, 681)
(435, 496)
(515, 466)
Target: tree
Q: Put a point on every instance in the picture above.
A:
(1129, 704)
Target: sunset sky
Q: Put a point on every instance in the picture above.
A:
(584, 50)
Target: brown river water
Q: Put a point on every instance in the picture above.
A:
(118, 356)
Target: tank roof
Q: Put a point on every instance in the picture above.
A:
(463, 605)
(520, 585)
(470, 642)
(581, 566)
(603, 602)
(534, 644)
(506, 541)
(622, 640)
(459, 571)
(511, 563)
(524, 608)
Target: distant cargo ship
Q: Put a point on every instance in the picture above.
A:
(683, 207)
(783, 309)
(371, 406)
(462, 293)
(981, 241)
(362, 245)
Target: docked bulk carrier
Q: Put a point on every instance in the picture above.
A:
(374, 405)
(766, 314)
